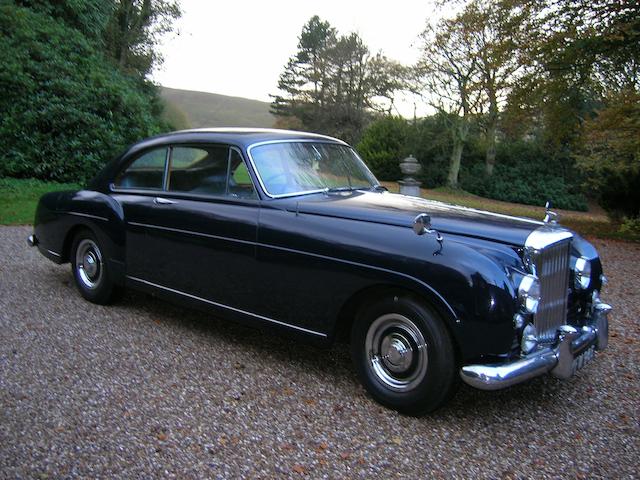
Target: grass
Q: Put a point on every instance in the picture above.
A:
(19, 198)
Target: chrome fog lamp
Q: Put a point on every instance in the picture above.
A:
(529, 339)
(529, 293)
(582, 273)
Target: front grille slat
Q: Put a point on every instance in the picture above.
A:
(552, 265)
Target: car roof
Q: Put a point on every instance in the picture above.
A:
(239, 136)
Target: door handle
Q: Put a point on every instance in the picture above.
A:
(163, 201)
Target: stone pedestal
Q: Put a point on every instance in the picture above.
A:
(409, 185)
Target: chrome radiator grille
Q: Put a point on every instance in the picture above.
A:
(552, 268)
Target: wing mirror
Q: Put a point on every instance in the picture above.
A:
(422, 225)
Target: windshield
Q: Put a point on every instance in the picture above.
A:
(291, 168)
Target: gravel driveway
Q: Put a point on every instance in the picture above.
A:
(144, 389)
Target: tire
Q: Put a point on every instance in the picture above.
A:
(91, 271)
(404, 355)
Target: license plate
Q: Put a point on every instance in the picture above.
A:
(584, 358)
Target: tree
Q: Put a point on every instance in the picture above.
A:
(333, 84)
(449, 71)
(134, 30)
(499, 32)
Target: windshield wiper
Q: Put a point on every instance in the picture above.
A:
(379, 188)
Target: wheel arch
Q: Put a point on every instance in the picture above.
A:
(69, 237)
(347, 313)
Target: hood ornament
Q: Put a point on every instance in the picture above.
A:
(422, 225)
(550, 216)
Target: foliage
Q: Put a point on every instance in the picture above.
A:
(19, 198)
(630, 228)
(65, 109)
(134, 30)
(526, 173)
(383, 145)
(610, 154)
(333, 83)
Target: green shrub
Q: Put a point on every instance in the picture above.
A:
(526, 173)
(65, 109)
(383, 145)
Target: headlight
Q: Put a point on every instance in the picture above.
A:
(582, 273)
(529, 293)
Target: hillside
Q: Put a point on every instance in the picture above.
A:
(203, 109)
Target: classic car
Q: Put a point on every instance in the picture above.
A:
(291, 231)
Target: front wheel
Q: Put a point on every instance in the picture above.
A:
(404, 355)
(90, 270)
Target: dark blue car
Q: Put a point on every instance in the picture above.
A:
(291, 231)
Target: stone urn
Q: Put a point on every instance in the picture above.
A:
(409, 185)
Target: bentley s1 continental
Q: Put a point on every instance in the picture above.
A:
(291, 231)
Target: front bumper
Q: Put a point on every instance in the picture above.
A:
(572, 349)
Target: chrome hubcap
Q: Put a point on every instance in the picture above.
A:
(89, 263)
(397, 352)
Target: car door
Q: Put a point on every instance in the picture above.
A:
(196, 236)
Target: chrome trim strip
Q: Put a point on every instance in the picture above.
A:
(301, 252)
(54, 253)
(88, 215)
(330, 141)
(221, 305)
(167, 165)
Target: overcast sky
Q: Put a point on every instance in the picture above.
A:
(240, 47)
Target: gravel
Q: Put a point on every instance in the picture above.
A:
(146, 389)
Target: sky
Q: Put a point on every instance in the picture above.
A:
(240, 47)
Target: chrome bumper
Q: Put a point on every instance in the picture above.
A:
(571, 350)
(32, 240)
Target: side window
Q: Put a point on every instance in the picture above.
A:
(146, 172)
(240, 184)
(209, 170)
(199, 169)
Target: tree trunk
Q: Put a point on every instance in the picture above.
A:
(454, 163)
(492, 127)
(491, 146)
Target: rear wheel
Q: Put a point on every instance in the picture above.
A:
(90, 270)
(404, 355)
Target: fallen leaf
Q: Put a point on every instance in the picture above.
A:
(310, 401)
(162, 436)
(397, 440)
(345, 455)
(322, 446)
(299, 469)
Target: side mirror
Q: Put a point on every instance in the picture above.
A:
(422, 224)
